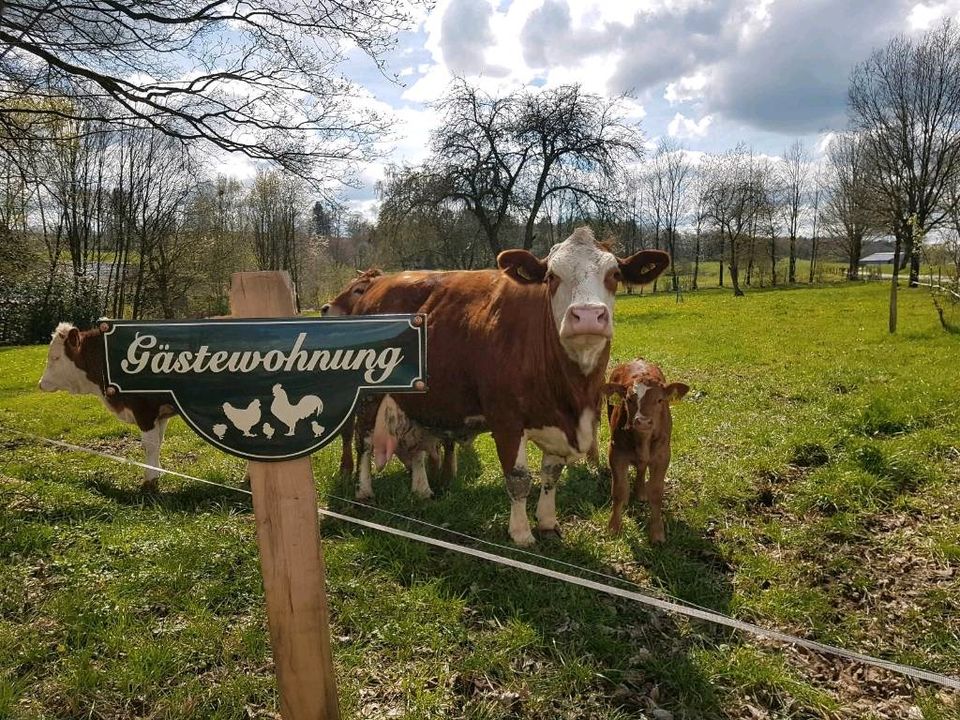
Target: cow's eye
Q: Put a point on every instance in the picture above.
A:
(358, 291)
(617, 275)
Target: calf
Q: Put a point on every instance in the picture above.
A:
(638, 409)
(76, 363)
(414, 446)
(418, 450)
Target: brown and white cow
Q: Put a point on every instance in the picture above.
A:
(521, 352)
(76, 363)
(638, 409)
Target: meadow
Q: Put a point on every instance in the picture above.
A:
(813, 489)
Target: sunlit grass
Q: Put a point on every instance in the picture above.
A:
(813, 488)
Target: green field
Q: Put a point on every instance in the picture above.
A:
(815, 488)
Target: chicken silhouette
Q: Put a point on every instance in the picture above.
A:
(317, 428)
(268, 430)
(243, 419)
(220, 430)
(290, 414)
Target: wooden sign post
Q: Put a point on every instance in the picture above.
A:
(272, 388)
(288, 535)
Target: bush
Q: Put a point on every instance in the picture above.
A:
(30, 308)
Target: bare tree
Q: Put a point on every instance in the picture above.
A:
(816, 221)
(733, 201)
(669, 175)
(274, 204)
(500, 155)
(258, 77)
(794, 181)
(848, 210)
(905, 100)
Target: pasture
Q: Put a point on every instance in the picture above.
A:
(813, 489)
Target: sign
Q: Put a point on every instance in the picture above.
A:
(267, 389)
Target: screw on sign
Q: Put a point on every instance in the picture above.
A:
(272, 392)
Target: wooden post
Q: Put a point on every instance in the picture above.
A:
(288, 535)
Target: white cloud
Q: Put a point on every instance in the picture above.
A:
(922, 16)
(687, 89)
(683, 127)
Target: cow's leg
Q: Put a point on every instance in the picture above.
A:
(449, 470)
(547, 504)
(513, 459)
(420, 485)
(639, 482)
(365, 465)
(151, 441)
(619, 489)
(658, 471)
(346, 453)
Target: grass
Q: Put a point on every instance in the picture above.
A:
(813, 489)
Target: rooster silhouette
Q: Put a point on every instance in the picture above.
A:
(290, 414)
(243, 419)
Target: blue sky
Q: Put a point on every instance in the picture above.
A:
(708, 73)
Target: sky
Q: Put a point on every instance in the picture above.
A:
(707, 73)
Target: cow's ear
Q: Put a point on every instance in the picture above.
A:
(522, 266)
(676, 391)
(73, 338)
(643, 267)
(613, 393)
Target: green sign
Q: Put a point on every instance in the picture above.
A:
(267, 389)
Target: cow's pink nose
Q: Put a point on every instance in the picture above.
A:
(588, 320)
(642, 423)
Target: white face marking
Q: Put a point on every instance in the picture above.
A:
(60, 373)
(581, 268)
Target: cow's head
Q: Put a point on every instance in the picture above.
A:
(638, 405)
(64, 369)
(343, 303)
(582, 277)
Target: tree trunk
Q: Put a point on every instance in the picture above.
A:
(792, 275)
(914, 266)
(735, 270)
(696, 261)
(721, 261)
(892, 323)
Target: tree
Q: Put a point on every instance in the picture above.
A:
(499, 155)
(905, 100)
(258, 77)
(732, 201)
(274, 204)
(794, 180)
(848, 209)
(669, 176)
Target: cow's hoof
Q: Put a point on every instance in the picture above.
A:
(151, 486)
(423, 493)
(361, 495)
(657, 538)
(524, 540)
(613, 528)
(550, 533)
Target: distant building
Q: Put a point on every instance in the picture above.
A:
(874, 262)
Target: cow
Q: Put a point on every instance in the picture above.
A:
(519, 351)
(638, 410)
(76, 363)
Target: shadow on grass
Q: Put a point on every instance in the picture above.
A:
(626, 648)
(190, 497)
